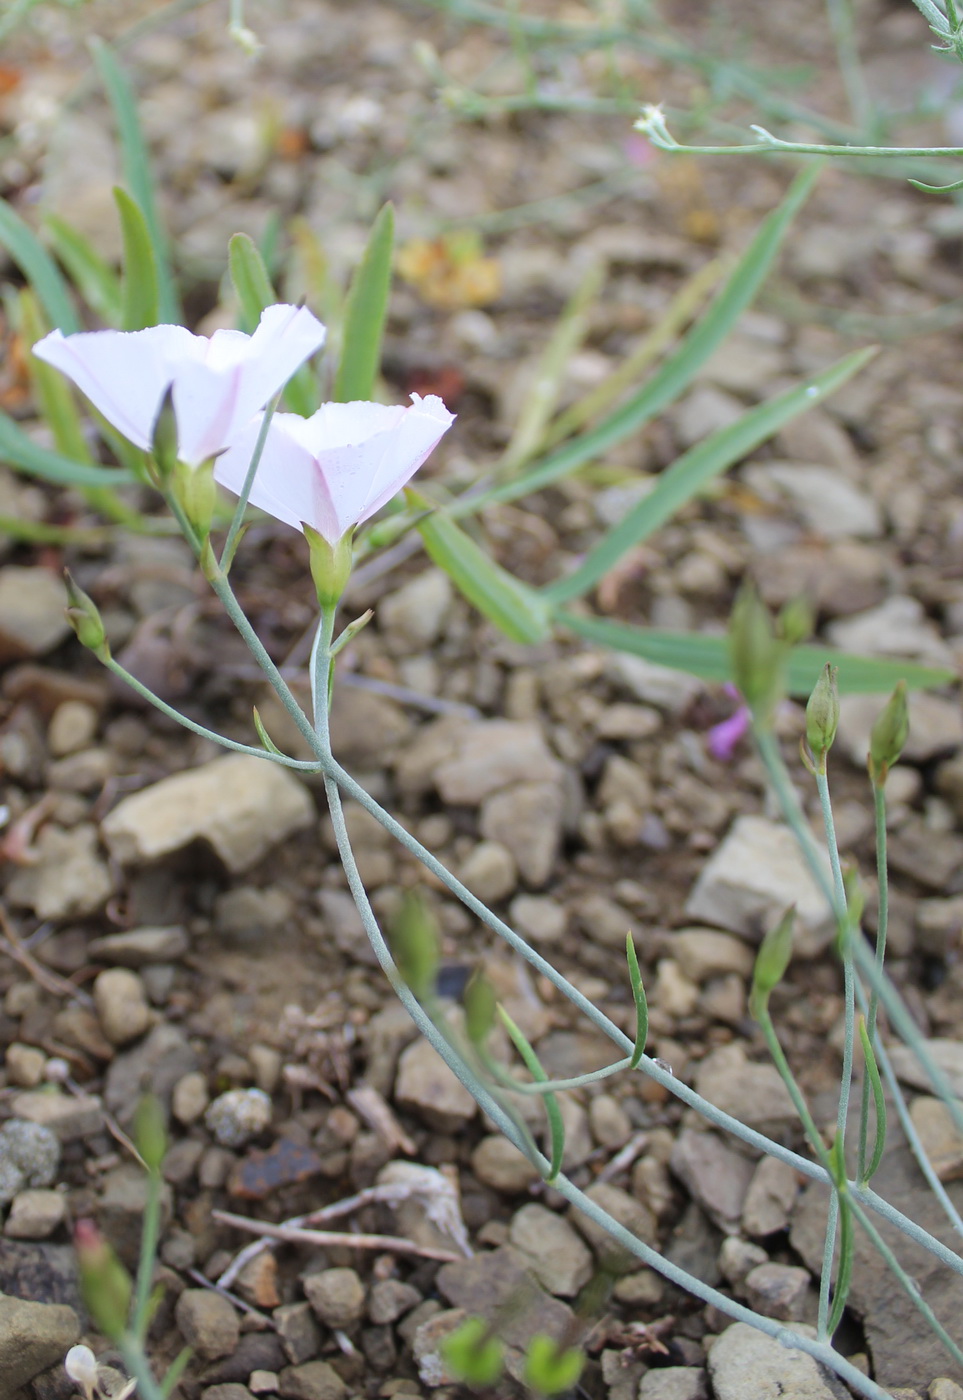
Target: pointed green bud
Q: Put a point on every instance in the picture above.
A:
(104, 1282)
(822, 716)
(330, 567)
(84, 617)
(351, 631)
(150, 1135)
(795, 622)
(889, 736)
(414, 945)
(756, 654)
(772, 960)
(164, 437)
(480, 1005)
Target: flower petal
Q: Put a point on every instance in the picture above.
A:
(285, 337)
(125, 374)
(288, 484)
(422, 427)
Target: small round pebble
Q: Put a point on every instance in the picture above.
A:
(239, 1115)
(29, 1156)
(337, 1297)
(121, 1005)
(35, 1214)
(25, 1065)
(190, 1098)
(208, 1323)
(72, 727)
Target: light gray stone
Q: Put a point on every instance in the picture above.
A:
(753, 877)
(527, 819)
(156, 1063)
(73, 726)
(208, 1323)
(140, 947)
(674, 1383)
(490, 872)
(559, 1257)
(830, 505)
(668, 690)
(337, 1297)
(240, 805)
(29, 1156)
(314, 1380)
(238, 1115)
(738, 1258)
(33, 615)
(630, 1213)
(414, 615)
(751, 1092)
(714, 1175)
(69, 879)
(499, 1164)
(703, 411)
(778, 1290)
(35, 1215)
(939, 1135)
(33, 1337)
(121, 1004)
(538, 917)
(491, 755)
(935, 725)
(897, 627)
(703, 953)
(946, 1054)
(69, 1116)
(770, 1198)
(426, 1086)
(744, 1362)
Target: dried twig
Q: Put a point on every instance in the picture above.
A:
(293, 1235)
(218, 1287)
(12, 944)
(369, 1105)
(624, 1158)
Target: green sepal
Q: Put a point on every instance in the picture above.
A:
(879, 1101)
(822, 715)
(330, 566)
(84, 617)
(641, 1005)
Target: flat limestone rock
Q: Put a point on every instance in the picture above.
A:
(745, 1362)
(32, 612)
(33, 1336)
(240, 805)
(751, 880)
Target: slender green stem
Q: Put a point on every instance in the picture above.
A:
(652, 124)
(849, 1034)
(237, 519)
(139, 1367)
(882, 926)
(150, 1234)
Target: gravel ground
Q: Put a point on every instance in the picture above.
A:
(174, 917)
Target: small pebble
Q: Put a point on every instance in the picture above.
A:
(190, 1098)
(208, 1323)
(25, 1065)
(121, 1005)
(72, 727)
(337, 1297)
(35, 1215)
(239, 1115)
(29, 1156)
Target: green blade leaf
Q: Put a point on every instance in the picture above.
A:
(39, 268)
(641, 1005)
(879, 1101)
(52, 392)
(96, 282)
(553, 1113)
(264, 736)
(707, 657)
(847, 1250)
(250, 279)
(365, 311)
(679, 369)
(254, 291)
(515, 609)
(135, 161)
(19, 451)
(140, 294)
(693, 471)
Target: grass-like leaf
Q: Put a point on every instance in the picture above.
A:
(39, 268)
(135, 162)
(879, 1100)
(693, 471)
(140, 292)
(52, 392)
(678, 370)
(641, 1005)
(365, 312)
(515, 609)
(19, 451)
(254, 290)
(532, 1063)
(96, 282)
(707, 657)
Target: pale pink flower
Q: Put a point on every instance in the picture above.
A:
(335, 469)
(219, 382)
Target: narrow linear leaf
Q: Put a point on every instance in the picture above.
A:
(264, 736)
(52, 392)
(679, 369)
(514, 608)
(693, 471)
(879, 1100)
(96, 282)
(844, 1276)
(250, 279)
(641, 1005)
(707, 657)
(552, 1111)
(174, 1371)
(254, 291)
(39, 268)
(135, 161)
(19, 451)
(140, 306)
(365, 311)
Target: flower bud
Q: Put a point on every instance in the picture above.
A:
(163, 448)
(84, 617)
(795, 622)
(889, 736)
(196, 494)
(479, 1004)
(756, 654)
(104, 1282)
(414, 945)
(330, 566)
(822, 716)
(771, 962)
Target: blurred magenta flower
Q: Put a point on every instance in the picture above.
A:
(219, 382)
(335, 469)
(722, 738)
